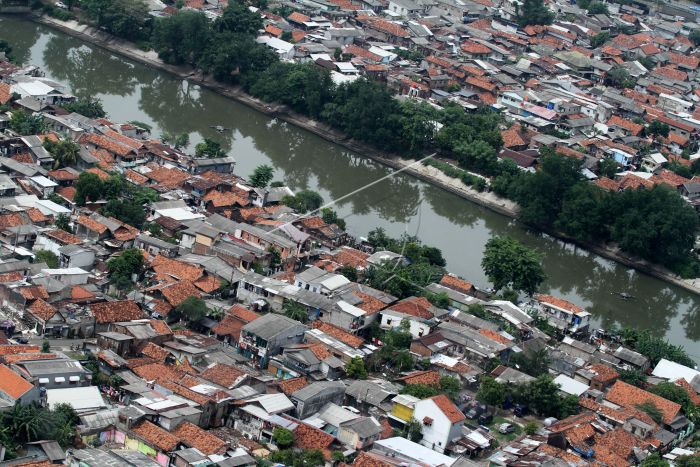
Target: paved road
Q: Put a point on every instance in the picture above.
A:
(57, 344)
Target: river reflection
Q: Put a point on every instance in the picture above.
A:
(131, 91)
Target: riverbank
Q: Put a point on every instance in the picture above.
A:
(425, 173)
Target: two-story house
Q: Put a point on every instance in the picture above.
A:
(441, 422)
(266, 336)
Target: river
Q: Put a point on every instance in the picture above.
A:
(130, 91)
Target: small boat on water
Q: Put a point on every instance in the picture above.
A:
(623, 295)
(219, 128)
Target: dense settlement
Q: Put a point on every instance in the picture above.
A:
(159, 309)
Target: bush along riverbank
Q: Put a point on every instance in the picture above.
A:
(471, 140)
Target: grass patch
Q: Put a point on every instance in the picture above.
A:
(500, 436)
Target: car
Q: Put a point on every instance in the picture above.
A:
(60, 5)
(506, 428)
(22, 340)
(485, 419)
(520, 410)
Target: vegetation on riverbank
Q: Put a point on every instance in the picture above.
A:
(643, 223)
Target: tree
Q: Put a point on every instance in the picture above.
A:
(209, 148)
(329, 216)
(652, 410)
(597, 8)
(87, 188)
(634, 377)
(491, 392)
(124, 266)
(531, 428)
(128, 19)
(542, 396)
(48, 257)
(533, 12)
(89, 107)
(182, 140)
(304, 201)
(193, 309)
(181, 38)
(675, 393)
(654, 460)
(450, 386)
(608, 167)
(45, 346)
(65, 152)
(618, 77)
(534, 363)
(694, 37)
(6, 49)
(541, 195)
(356, 368)
(126, 211)
(687, 461)
(507, 262)
(349, 272)
(262, 176)
(600, 39)
(25, 124)
(63, 222)
(568, 406)
(420, 391)
(657, 128)
(283, 437)
(295, 311)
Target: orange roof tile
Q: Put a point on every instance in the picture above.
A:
(155, 351)
(338, 333)
(429, 377)
(472, 47)
(92, 224)
(494, 336)
(308, 437)
(455, 283)
(448, 407)
(560, 303)
(414, 306)
(5, 94)
(298, 17)
(17, 349)
(41, 310)
(193, 436)
(33, 292)
(66, 192)
(208, 283)
(179, 292)
(99, 172)
(633, 128)
(115, 311)
(222, 374)
(369, 304)
(13, 384)
(177, 269)
(13, 276)
(627, 395)
(288, 386)
(155, 436)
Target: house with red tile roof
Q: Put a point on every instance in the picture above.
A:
(562, 313)
(622, 394)
(105, 313)
(441, 422)
(14, 388)
(418, 312)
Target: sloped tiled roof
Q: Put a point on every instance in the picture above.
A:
(41, 309)
(119, 310)
(288, 386)
(627, 395)
(455, 283)
(13, 384)
(155, 436)
(340, 334)
(429, 378)
(179, 292)
(193, 436)
(155, 351)
(222, 374)
(448, 407)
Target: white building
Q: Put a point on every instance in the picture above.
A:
(441, 422)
